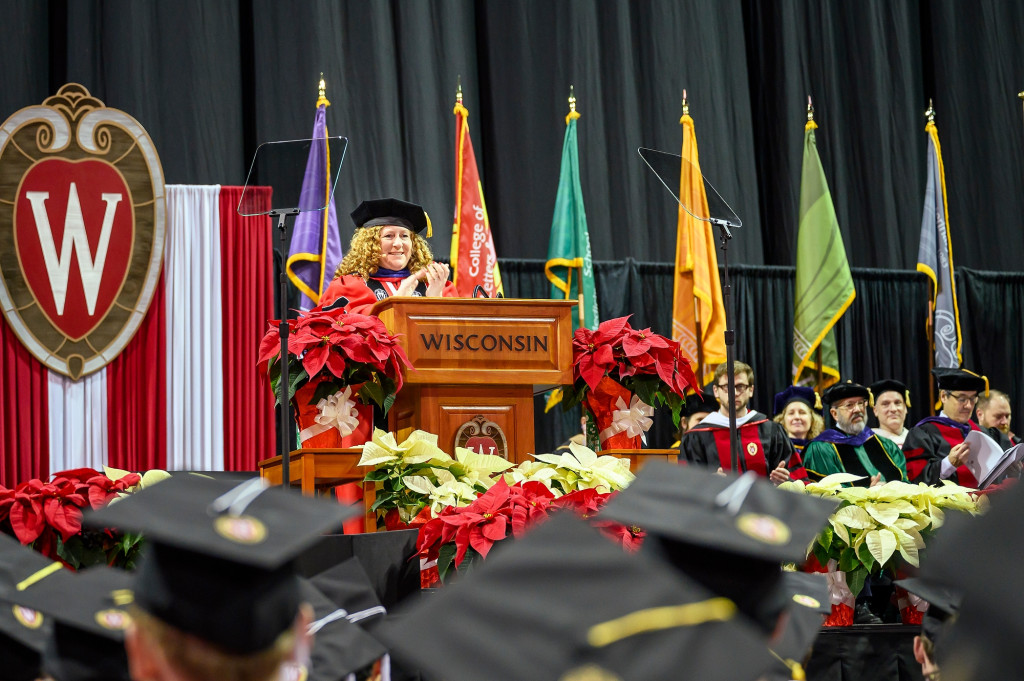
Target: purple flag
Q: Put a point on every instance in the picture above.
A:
(315, 250)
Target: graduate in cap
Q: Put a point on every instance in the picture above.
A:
(698, 406)
(938, 619)
(889, 399)
(935, 447)
(852, 447)
(728, 534)
(564, 603)
(90, 613)
(388, 257)
(764, 446)
(217, 594)
(23, 631)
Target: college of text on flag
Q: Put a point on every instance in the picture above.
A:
(474, 262)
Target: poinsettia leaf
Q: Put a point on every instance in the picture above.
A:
(855, 580)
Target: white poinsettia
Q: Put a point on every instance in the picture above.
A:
(445, 490)
(582, 468)
(472, 464)
(149, 478)
(534, 471)
(884, 520)
(419, 447)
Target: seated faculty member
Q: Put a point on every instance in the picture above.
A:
(217, 595)
(852, 447)
(935, 447)
(388, 257)
(889, 400)
(798, 410)
(764, 446)
(994, 412)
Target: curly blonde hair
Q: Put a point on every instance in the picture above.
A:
(363, 257)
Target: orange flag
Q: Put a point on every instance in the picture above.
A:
(474, 261)
(698, 312)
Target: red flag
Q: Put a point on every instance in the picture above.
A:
(473, 259)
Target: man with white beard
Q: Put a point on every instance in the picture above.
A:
(852, 447)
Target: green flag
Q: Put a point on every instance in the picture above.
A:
(569, 266)
(824, 286)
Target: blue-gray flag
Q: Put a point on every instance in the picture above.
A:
(935, 258)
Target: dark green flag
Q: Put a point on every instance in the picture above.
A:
(569, 266)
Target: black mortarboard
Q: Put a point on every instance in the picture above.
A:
(218, 558)
(19, 563)
(23, 633)
(797, 393)
(729, 534)
(348, 585)
(807, 602)
(943, 604)
(949, 378)
(889, 385)
(390, 212)
(840, 391)
(90, 614)
(700, 402)
(340, 647)
(388, 559)
(743, 515)
(564, 599)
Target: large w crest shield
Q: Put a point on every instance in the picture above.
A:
(82, 217)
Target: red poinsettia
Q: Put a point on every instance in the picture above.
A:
(345, 349)
(504, 511)
(48, 515)
(645, 363)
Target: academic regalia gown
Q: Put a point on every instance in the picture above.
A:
(763, 445)
(865, 454)
(930, 441)
(363, 295)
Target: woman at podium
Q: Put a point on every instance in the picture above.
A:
(388, 257)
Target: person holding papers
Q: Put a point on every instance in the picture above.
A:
(936, 448)
(852, 447)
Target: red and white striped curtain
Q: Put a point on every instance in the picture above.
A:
(184, 394)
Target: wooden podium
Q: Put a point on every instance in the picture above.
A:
(477, 364)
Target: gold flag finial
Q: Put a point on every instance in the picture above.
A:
(573, 113)
(1021, 94)
(810, 109)
(686, 104)
(458, 90)
(929, 113)
(322, 93)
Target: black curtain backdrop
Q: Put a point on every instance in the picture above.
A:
(211, 79)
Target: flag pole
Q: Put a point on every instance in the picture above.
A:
(579, 303)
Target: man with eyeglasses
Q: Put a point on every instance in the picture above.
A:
(935, 448)
(852, 447)
(765, 447)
